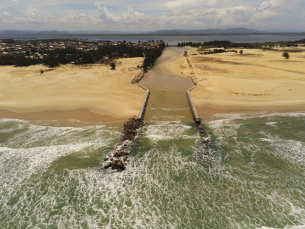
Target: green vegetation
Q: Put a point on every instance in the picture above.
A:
(229, 44)
(105, 53)
(218, 51)
(151, 55)
(286, 55)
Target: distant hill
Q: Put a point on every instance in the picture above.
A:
(173, 32)
(32, 32)
(55, 32)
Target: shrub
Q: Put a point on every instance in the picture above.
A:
(112, 65)
(286, 55)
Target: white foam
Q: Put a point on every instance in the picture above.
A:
(287, 227)
(271, 124)
(167, 130)
(35, 135)
(6, 120)
(246, 116)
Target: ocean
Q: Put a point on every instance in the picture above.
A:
(249, 175)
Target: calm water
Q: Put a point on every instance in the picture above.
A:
(250, 176)
(171, 40)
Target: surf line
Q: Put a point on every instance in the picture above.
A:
(119, 156)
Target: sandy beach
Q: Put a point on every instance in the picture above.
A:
(256, 80)
(86, 92)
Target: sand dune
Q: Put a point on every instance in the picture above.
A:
(95, 90)
(254, 81)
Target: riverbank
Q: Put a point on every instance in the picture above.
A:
(92, 93)
(256, 80)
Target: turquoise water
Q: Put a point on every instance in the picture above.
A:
(250, 175)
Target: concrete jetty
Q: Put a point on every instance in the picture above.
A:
(143, 108)
(193, 108)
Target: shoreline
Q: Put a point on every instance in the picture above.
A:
(82, 114)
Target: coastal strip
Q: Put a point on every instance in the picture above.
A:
(193, 108)
(143, 108)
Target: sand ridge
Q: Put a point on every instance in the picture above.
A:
(92, 88)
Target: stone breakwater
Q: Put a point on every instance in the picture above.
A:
(119, 156)
(140, 75)
(143, 108)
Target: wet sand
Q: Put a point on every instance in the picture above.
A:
(83, 114)
(91, 93)
(254, 81)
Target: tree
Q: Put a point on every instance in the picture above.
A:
(286, 55)
(112, 65)
(33, 50)
(51, 61)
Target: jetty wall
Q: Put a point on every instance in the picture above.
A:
(143, 108)
(193, 108)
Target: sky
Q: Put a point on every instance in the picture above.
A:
(151, 15)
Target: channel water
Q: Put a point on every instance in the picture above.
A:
(251, 175)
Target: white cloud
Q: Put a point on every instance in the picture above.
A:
(236, 16)
(146, 15)
(33, 16)
(104, 13)
(79, 18)
(132, 17)
(129, 17)
(6, 14)
(267, 10)
(188, 3)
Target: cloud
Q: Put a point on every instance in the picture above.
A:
(32, 16)
(129, 17)
(267, 10)
(146, 15)
(79, 18)
(104, 13)
(188, 3)
(132, 17)
(236, 16)
(269, 6)
(6, 14)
